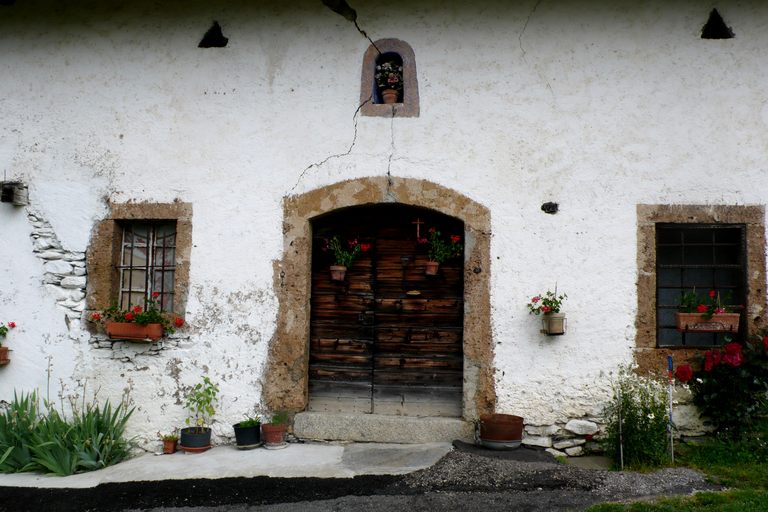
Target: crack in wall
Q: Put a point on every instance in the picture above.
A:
(337, 155)
(522, 48)
(389, 195)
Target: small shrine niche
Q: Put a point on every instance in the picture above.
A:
(389, 62)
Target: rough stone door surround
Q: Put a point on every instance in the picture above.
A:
(286, 379)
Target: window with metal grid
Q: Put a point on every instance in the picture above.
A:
(147, 264)
(703, 257)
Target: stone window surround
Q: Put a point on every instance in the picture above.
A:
(104, 250)
(286, 376)
(410, 105)
(650, 357)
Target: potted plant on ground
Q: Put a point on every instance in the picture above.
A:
(440, 250)
(548, 305)
(274, 431)
(344, 256)
(200, 403)
(389, 80)
(248, 433)
(705, 314)
(4, 359)
(137, 323)
(169, 441)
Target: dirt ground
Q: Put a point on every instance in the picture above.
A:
(466, 479)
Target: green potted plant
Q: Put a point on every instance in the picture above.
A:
(440, 250)
(705, 314)
(548, 305)
(4, 350)
(170, 441)
(275, 430)
(200, 403)
(248, 433)
(137, 323)
(344, 255)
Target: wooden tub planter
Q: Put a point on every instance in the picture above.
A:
(133, 332)
(695, 322)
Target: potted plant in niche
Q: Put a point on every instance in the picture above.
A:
(389, 80)
(343, 256)
(137, 323)
(274, 431)
(4, 359)
(169, 441)
(548, 305)
(440, 250)
(248, 433)
(200, 403)
(705, 314)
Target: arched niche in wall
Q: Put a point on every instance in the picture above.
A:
(370, 97)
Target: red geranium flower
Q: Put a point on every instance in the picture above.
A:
(128, 316)
(684, 373)
(719, 311)
(455, 238)
(178, 321)
(712, 293)
(137, 309)
(536, 299)
(702, 308)
(96, 317)
(765, 343)
(12, 325)
(155, 295)
(717, 356)
(423, 241)
(365, 247)
(546, 309)
(732, 355)
(708, 361)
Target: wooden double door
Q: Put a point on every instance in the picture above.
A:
(388, 339)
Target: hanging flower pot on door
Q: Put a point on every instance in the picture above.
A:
(440, 250)
(343, 257)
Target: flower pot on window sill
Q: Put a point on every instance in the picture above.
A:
(169, 446)
(338, 272)
(4, 356)
(133, 331)
(553, 324)
(431, 268)
(695, 322)
(389, 96)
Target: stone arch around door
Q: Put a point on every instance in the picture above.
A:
(286, 378)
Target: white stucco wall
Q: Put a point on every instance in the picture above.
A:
(598, 107)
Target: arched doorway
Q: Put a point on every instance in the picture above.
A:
(286, 377)
(388, 339)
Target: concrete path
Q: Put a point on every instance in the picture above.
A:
(320, 460)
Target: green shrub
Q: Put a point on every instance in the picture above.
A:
(48, 442)
(636, 421)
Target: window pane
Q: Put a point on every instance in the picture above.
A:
(669, 276)
(165, 256)
(668, 236)
(669, 255)
(697, 255)
(666, 317)
(697, 236)
(699, 339)
(697, 278)
(728, 236)
(669, 338)
(134, 280)
(668, 296)
(727, 255)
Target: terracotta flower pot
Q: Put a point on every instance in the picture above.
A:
(389, 96)
(169, 446)
(133, 331)
(338, 272)
(273, 435)
(695, 322)
(501, 431)
(431, 268)
(4, 356)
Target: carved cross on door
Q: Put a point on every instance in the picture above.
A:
(418, 223)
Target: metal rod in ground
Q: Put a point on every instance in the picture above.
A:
(621, 440)
(670, 425)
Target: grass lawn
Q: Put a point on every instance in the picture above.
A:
(741, 466)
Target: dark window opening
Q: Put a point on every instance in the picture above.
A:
(703, 257)
(147, 264)
(214, 38)
(715, 27)
(388, 74)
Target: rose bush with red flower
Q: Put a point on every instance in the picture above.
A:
(731, 388)
(152, 314)
(684, 373)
